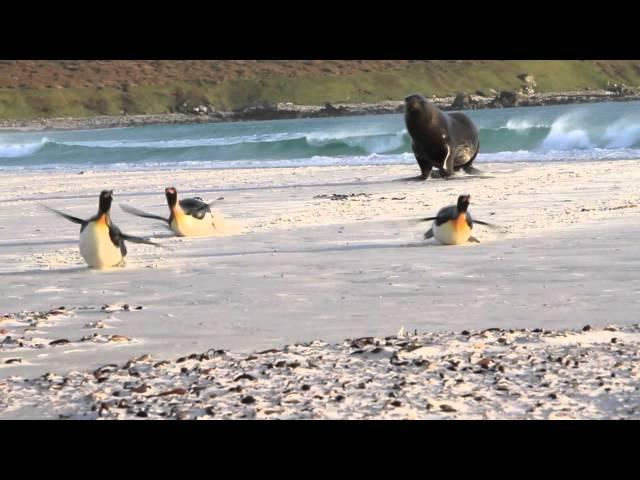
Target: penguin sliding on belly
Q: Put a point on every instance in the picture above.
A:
(101, 242)
(190, 217)
(453, 224)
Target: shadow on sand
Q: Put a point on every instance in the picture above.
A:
(342, 248)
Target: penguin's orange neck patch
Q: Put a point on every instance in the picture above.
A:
(102, 220)
(461, 221)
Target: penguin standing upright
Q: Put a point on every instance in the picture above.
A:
(453, 224)
(101, 242)
(189, 217)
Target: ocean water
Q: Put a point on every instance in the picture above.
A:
(532, 134)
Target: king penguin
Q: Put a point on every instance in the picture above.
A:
(101, 242)
(453, 224)
(189, 217)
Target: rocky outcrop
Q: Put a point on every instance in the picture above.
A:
(460, 102)
(265, 111)
(619, 88)
(529, 86)
(506, 99)
(367, 108)
(290, 110)
(469, 102)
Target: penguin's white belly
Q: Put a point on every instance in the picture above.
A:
(453, 232)
(96, 246)
(187, 226)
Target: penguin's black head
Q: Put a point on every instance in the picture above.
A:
(172, 196)
(414, 103)
(106, 196)
(463, 202)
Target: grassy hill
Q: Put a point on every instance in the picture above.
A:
(30, 88)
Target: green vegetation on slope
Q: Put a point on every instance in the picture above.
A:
(151, 87)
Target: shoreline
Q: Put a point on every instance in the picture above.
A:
(288, 111)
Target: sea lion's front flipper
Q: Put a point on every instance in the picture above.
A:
(471, 170)
(426, 173)
(442, 173)
(448, 161)
(419, 178)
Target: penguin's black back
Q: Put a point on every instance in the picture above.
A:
(195, 207)
(449, 213)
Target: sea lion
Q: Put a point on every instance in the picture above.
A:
(447, 141)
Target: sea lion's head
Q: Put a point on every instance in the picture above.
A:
(415, 103)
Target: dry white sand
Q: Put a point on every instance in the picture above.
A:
(308, 268)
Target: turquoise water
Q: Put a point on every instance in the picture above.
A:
(567, 132)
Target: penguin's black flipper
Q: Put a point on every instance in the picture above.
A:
(429, 234)
(485, 223)
(167, 226)
(118, 238)
(140, 213)
(427, 219)
(133, 239)
(68, 217)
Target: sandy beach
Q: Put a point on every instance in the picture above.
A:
(325, 254)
